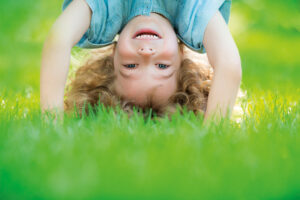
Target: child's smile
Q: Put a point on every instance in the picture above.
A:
(147, 34)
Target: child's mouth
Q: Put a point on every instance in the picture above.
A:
(146, 34)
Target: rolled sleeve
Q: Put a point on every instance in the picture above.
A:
(200, 12)
(97, 34)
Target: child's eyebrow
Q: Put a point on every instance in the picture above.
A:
(164, 77)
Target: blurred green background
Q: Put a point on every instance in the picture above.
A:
(267, 33)
(112, 157)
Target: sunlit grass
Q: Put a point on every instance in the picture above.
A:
(109, 155)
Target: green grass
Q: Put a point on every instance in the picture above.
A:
(112, 156)
(253, 156)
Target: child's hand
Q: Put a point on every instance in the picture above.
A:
(65, 33)
(224, 57)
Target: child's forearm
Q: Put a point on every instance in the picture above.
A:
(223, 92)
(224, 57)
(65, 33)
(54, 71)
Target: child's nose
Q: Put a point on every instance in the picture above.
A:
(146, 51)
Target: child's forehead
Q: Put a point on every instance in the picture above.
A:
(139, 94)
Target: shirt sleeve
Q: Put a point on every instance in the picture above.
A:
(194, 17)
(98, 34)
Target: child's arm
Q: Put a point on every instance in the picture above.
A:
(224, 57)
(65, 33)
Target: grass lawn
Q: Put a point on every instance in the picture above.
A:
(255, 155)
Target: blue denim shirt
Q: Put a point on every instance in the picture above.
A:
(188, 17)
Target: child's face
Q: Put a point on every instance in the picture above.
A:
(146, 66)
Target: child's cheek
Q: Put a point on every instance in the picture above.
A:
(170, 52)
(170, 48)
(124, 48)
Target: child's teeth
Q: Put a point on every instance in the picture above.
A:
(146, 36)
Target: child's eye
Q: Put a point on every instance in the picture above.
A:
(130, 66)
(162, 66)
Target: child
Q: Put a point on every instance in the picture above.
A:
(146, 67)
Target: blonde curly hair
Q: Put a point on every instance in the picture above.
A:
(93, 85)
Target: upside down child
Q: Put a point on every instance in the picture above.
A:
(147, 66)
